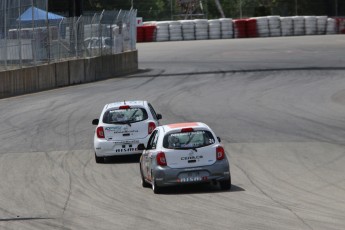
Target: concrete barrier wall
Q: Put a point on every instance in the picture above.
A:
(62, 73)
(50, 76)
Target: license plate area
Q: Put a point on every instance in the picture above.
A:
(125, 146)
(196, 176)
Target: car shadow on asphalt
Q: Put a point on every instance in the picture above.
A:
(123, 159)
(198, 188)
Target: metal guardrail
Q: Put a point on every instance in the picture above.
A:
(37, 41)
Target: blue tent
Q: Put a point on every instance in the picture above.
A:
(37, 14)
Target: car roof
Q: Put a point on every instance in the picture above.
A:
(130, 103)
(179, 126)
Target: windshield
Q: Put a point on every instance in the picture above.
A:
(124, 116)
(188, 140)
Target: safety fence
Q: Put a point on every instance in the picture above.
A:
(227, 28)
(31, 36)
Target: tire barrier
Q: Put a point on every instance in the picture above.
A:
(274, 26)
(162, 32)
(146, 33)
(240, 29)
(140, 34)
(310, 25)
(149, 33)
(214, 29)
(201, 29)
(298, 26)
(175, 30)
(286, 26)
(251, 28)
(227, 28)
(321, 22)
(188, 30)
(331, 26)
(262, 27)
(341, 25)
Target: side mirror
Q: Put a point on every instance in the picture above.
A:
(95, 121)
(159, 116)
(141, 147)
(218, 138)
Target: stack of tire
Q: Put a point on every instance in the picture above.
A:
(140, 34)
(321, 22)
(201, 29)
(150, 31)
(175, 29)
(162, 31)
(240, 28)
(274, 26)
(286, 26)
(226, 28)
(262, 27)
(188, 30)
(341, 25)
(251, 28)
(310, 25)
(331, 26)
(298, 26)
(214, 31)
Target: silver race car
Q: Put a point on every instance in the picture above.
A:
(183, 153)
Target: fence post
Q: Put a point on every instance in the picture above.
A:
(76, 36)
(59, 38)
(100, 32)
(33, 41)
(19, 35)
(5, 31)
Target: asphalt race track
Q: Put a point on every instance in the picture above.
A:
(277, 103)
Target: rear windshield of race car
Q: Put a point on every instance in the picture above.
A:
(124, 116)
(188, 140)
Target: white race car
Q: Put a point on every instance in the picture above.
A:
(122, 126)
(183, 153)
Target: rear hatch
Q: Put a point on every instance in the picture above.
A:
(190, 148)
(191, 157)
(127, 123)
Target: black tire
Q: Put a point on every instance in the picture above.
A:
(156, 189)
(143, 181)
(225, 184)
(99, 160)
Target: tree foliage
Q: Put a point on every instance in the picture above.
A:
(170, 9)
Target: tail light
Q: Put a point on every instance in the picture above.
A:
(220, 153)
(161, 160)
(100, 132)
(151, 127)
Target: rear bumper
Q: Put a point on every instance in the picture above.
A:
(166, 176)
(104, 148)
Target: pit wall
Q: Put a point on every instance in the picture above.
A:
(77, 71)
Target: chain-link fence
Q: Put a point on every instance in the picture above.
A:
(30, 35)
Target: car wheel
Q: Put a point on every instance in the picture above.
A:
(143, 181)
(99, 160)
(225, 184)
(156, 189)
